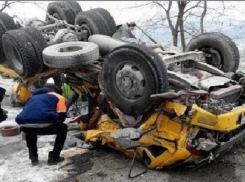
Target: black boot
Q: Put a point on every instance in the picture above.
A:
(54, 159)
(34, 160)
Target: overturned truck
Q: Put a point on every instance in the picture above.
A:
(163, 107)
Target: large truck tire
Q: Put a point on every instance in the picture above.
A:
(38, 43)
(61, 11)
(6, 23)
(92, 22)
(20, 53)
(234, 47)
(75, 6)
(130, 75)
(70, 54)
(222, 51)
(108, 19)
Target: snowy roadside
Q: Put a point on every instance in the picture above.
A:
(15, 165)
(12, 112)
(7, 84)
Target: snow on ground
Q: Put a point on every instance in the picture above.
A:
(7, 84)
(15, 165)
(12, 112)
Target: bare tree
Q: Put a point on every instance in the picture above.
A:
(180, 21)
(173, 28)
(202, 16)
(176, 19)
(7, 4)
(181, 18)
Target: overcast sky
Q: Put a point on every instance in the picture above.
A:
(116, 8)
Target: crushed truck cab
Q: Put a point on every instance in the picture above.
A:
(165, 107)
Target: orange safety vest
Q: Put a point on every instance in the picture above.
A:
(61, 105)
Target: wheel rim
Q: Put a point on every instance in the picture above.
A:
(130, 81)
(14, 56)
(85, 27)
(213, 57)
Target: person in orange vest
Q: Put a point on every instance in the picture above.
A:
(44, 114)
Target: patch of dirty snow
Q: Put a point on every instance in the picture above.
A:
(17, 167)
(7, 84)
(12, 113)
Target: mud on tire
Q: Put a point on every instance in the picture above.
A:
(130, 74)
(223, 52)
(70, 54)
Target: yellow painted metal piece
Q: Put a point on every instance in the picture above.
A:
(165, 159)
(148, 124)
(168, 135)
(104, 127)
(205, 119)
(92, 122)
(7, 73)
(20, 88)
(93, 135)
(158, 130)
(22, 92)
(177, 107)
(149, 140)
(222, 122)
(106, 124)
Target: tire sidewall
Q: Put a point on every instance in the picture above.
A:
(217, 43)
(20, 71)
(81, 18)
(113, 61)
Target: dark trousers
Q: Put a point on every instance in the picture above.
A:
(31, 138)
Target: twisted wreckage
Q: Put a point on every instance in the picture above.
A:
(165, 107)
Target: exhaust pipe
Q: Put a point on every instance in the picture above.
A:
(106, 44)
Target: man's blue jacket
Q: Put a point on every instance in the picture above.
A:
(45, 106)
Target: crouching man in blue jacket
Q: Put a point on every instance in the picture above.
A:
(44, 114)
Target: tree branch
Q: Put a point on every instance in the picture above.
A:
(192, 7)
